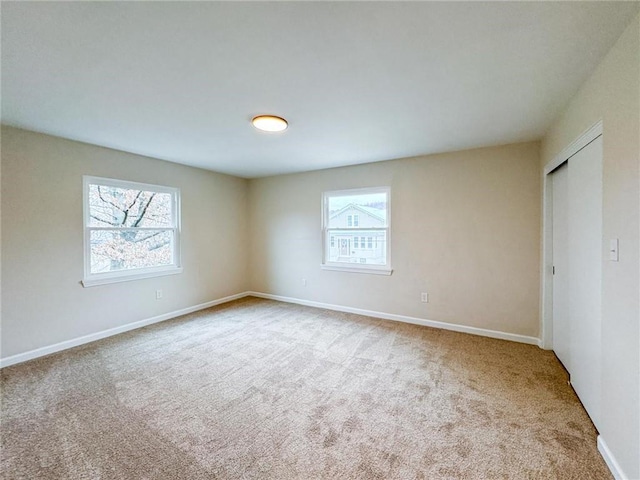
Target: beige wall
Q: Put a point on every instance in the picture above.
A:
(465, 227)
(42, 253)
(612, 94)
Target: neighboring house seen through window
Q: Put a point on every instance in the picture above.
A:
(131, 230)
(356, 230)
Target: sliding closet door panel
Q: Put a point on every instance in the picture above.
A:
(561, 326)
(585, 274)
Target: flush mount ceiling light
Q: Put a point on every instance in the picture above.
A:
(269, 123)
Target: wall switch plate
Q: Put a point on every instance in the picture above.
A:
(614, 255)
(424, 297)
(304, 282)
(158, 294)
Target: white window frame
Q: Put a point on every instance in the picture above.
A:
(326, 233)
(93, 279)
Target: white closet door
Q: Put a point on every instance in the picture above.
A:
(585, 274)
(561, 325)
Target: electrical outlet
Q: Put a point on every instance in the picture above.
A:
(424, 297)
(614, 255)
(158, 294)
(304, 282)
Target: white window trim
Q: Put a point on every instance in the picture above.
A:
(360, 269)
(356, 268)
(93, 279)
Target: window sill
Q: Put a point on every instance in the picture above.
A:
(353, 269)
(92, 282)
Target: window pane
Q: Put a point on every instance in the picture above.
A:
(125, 250)
(121, 207)
(344, 247)
(362, 211)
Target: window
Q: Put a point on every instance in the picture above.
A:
(333, 241)
(361, 215)
(131, 231)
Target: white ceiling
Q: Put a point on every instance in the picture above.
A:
(359, 82)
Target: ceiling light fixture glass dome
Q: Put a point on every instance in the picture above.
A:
(269, 123)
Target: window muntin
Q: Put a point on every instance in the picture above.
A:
(131, 230)
(356, 229)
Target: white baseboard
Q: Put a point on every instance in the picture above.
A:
(40, 352)
(543, 345)
(610, 460)
(403, 318)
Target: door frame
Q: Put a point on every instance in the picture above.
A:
(546, 267)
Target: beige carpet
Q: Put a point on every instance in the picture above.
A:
(257, 389)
